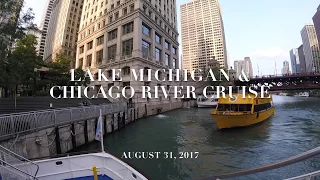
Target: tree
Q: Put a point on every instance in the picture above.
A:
(19, 64)
(79, 73)
(13, 25)
(217, 73)
(59, 72)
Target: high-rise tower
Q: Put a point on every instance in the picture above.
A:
(63, 29)
(203, 38)
(44, 25)
(311, 48)
(316, 22)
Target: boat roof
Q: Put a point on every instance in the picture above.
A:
(240, 99)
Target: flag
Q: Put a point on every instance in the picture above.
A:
(99, 129)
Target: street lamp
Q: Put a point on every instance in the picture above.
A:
(34, 81)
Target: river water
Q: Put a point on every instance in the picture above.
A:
(294, 129)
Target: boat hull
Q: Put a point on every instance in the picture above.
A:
(232, 121)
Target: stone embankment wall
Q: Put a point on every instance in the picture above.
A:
(57, 140)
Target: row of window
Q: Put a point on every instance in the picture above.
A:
(126, 29)
(146, 30)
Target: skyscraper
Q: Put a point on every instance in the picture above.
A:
(311, 48)
(244, 65)
(316, 22)
(298, 64)
(302, 60)
(63, 30)
(203, 37)
(285, 69)
(129, 35)
(44, 25)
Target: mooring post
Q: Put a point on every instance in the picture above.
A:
(119, 119)
(112, 123)
(86, 131)
(124, 118)
(73, 136)
(57, 139)
(105, 125)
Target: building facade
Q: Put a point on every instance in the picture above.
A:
(310, 48)
(202, 34)
(298, 64)
(316, 22)
(285, 68)
(126, 35)
(38, 34)
(45, 25)
(63, 30)
(244, 65)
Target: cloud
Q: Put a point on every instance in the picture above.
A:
(274, 52)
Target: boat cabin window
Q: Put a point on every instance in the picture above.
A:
(234, 107)
(261, 107)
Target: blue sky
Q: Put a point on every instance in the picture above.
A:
(264, 30)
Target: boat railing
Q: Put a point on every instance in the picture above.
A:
(13, 165)
(276, 165)
(232, 112)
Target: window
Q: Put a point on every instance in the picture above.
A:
(131, 7)
(158, 54)
(112, 34)
(127, 47)
(166, 45)
(174, 50)
(112, 50)
(81, 49)
(145, 29)
(126, 70)
(125, 11)
(128, 28)
(100, 40)
(99, 56)
(174, 61)
(167, 60)
(145, 48)
(116, 15)
(158, 38)
(89, 45)
(89, 60)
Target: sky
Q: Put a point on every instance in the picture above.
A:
(264, 30)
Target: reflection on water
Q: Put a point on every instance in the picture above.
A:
(295, 128)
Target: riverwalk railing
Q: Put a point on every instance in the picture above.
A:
(286, 162)
(12, 125)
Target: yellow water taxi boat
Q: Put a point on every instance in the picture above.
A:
(239, 111)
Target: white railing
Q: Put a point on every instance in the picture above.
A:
(14, 166)
(306, 176)
(14, 124)
(276, 165)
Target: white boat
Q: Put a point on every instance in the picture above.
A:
(302, 94)
(102, 166)
(209, 102)
(283, 94)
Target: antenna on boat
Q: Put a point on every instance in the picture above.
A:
(258, 69)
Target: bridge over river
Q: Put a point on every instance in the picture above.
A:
(299, 81)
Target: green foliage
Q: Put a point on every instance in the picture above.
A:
(15, 63)
(220, 79)
(18, 67)
(79, 73)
